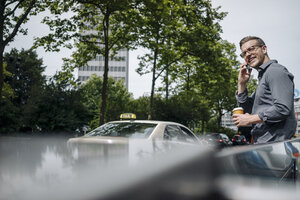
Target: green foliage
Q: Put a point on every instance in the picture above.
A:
(59, 108)
(7, 90)
(14, 14)
(27, 72)
(139, 107)
(8, 116)
(185, 50)
(36, 105)
(26, 82)
(94, 28)
(118, 98)
(173, 31)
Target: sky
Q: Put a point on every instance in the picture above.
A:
(275, 21)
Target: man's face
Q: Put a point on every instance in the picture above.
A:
(253, 53)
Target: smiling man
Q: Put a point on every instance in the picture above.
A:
(270, 109)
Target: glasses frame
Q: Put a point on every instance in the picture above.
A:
(250, 50)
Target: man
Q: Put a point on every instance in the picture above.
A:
(270, 109)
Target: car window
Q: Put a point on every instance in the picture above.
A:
(124, 129)
(172, 132)
(187, 134)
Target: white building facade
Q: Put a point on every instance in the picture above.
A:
(227, 121)
(297, 112)
(118, 67)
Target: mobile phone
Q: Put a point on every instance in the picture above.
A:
(248, 68)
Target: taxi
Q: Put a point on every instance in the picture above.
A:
(130, 128)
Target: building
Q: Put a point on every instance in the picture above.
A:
(227, 121)
(118, 67)
(297, 112)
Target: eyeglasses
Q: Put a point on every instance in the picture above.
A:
(249, 50)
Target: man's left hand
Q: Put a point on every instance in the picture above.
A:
(245, 119)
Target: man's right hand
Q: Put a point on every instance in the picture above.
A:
(244, 76)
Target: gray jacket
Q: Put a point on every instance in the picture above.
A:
(273, 101)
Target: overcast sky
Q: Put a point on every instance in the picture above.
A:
(275, 21)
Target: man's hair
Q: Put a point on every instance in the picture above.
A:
(248, 38)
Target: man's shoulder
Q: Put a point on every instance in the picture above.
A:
(276, 67)
(276, 70)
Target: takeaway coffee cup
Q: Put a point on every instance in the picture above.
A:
(238, 110)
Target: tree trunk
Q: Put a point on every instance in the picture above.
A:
(202, 126)
(167, 83)
(219, 118)
(105, 74)
(153, 85)
(188, 80)
(1, 72)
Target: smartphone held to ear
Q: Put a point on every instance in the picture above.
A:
(248, 68)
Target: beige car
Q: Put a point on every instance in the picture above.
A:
(122, 131)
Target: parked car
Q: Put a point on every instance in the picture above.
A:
(239, 140)
(123, 130)
(218, 139)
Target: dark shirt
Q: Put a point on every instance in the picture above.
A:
(273, 101)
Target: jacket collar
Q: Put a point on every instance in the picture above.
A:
(261, 69)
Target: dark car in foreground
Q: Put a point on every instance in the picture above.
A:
(239, 140)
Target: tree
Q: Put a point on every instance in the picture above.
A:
(98, 28)
(60, 107)
(158, 22)
(212, 81)
(180, 28)
(118, 98)
(26, 81)
(137, 106)
(8, 111)
(12, 15)
(223, 84)
(27, 71)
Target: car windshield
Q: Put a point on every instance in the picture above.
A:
(124, 129)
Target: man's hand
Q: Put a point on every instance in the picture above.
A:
(246, 119)
(244, 76)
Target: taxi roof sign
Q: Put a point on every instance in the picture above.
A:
(127, 116)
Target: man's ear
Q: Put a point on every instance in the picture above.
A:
(264, 48)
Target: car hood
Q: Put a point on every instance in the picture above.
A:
(99, 139)
(49, 168)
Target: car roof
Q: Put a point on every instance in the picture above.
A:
(147, 122)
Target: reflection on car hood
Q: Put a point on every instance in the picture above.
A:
(43, 168)
(98, 139)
